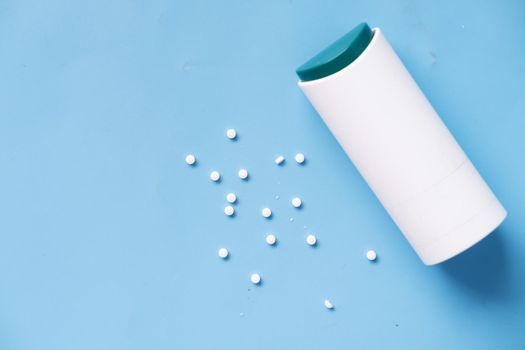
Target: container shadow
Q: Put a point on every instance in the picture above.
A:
(483, 269)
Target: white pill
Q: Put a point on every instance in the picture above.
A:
(371, 255)
(328, 304)
(271, 239)
(231, 198)
(266, 212)
(228, 210)
(299, 158)
(215, 176)
(243, 174)
(255, 278)
(223, 253)
(190, 159)
(279, 160)
(297, 202)
(231, 134)
(311, 240)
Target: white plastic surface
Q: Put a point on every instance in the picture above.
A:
(406, 154)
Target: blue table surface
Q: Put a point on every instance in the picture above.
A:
(108, 240)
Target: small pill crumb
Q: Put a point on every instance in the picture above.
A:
(311, 240)
(277, 197)
(279, 160)
(371, 255)
(255, 278)
(228, 210)
(243, 174)
(223, 253)
(190, 159)
(266, 212)
(271, 239)
(231, 134)
(299, 158)
(328, 304)
(215, 176)
(297, 202)
(291, 219)
(231, 198)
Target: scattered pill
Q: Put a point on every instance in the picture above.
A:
(231, 198)
(328, 304)
(271, 239)
(223, 253)
(299, 158)
(266, 212)
(371, 255)
(311, 240)
(255, 278)
(215, 176)
(243, 174)
(277, 197)
(279, 160)
(291, 219)
(231, 134)
(190, 159)
(297, 202)
(228, 210)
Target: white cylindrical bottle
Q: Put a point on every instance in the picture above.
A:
(400, 145)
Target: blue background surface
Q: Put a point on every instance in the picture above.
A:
(108, 240)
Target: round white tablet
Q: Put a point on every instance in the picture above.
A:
(297, 202)
(371, 255)
(215, 176)
(266, 212)
(190, 159)
(311, 240)
(228, 210)
(271, 239)
(231, 134)
(223, 253)
(328, 304)
(279, 160)
(231, 197)
(299, 158)
(243, 174)
(255, 278)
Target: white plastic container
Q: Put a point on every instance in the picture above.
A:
(405, 153)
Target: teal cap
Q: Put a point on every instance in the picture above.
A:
(338, 55)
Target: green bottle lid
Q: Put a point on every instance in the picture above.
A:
(338, 55)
